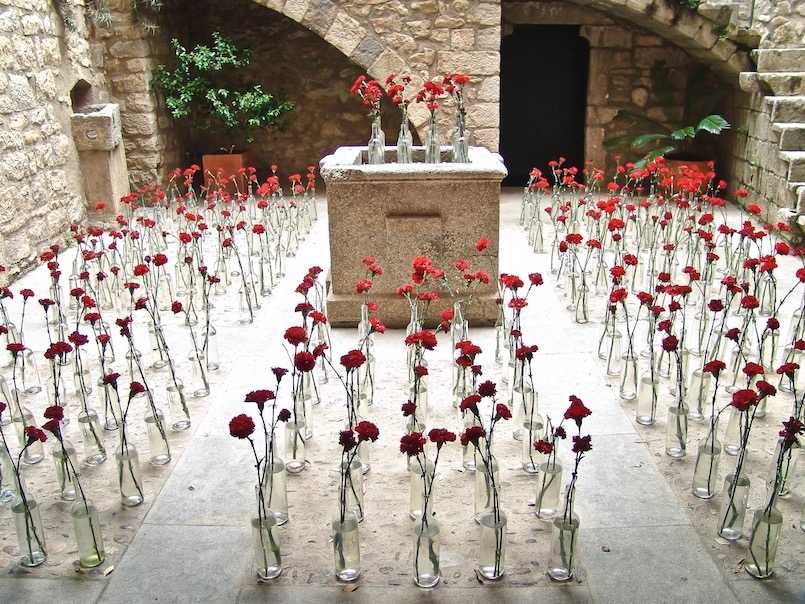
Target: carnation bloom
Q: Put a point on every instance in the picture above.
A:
(304, 361)
(366, 430)
(296, 335)
(241, 426)
(743, 399)
(353, 359)
(577, 411)
(412, 444)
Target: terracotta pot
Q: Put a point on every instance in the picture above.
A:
(227, 165)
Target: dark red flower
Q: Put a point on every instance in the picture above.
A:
(53, 426)
(765, 388)
(241, 426)
(743, 399)
(110, 379)
(543, 446)
(582, 444)
(284, 415)
(752, 369)
(412, 444)
(439, 436)
(714, 367)
(576, 411)
(471, 403)
(260, 397)
(408, 408)
(135, 388)
(304, 361)
(366, 430)
(346, 438)
(176, 307)
(472, 435)
(55, 412)
(791, 429)
(670, 343)
(279, 372)
(502, 411)
(353, 359)
(296, 335)
(34, 434)
(788, 369)
(487, 389)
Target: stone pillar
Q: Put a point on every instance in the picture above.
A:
(98, 138)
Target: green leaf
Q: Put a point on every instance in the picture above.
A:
(713, 124)
(683, 133)
(652, 155)
(646, 139)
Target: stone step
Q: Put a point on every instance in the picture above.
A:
(796, 165)
(787, 108)
(783, 83)
(792, 136)
(779, 59)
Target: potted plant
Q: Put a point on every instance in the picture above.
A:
(199, 90)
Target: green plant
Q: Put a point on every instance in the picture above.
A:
(197, 90)
(663, 143)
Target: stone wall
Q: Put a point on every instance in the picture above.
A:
(129, 57)
(303, 68)
(40, 184)
(632, 73)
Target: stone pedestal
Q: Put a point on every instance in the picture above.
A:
(98, 139)
(395, 212)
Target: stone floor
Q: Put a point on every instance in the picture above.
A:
(644, 537)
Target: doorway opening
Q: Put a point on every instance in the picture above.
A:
(543, 104)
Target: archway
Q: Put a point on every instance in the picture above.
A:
(543, 97)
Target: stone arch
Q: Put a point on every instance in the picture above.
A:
(698, 35)
(340, 29)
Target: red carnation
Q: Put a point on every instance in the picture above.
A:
(241, 426)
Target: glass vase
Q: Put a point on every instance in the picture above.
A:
(129, 479)
(64, 461)
(421, 479)
(92, 436)
(433, 150)
(676, 431)
(698, 394)
(461, 147)
(404, 139)
(35, 452)
(549, 488)
(177, 406)
(158, 448)
(733, 511)
(564, 544)
(8, 482)
(354, 489)
(786, 469)
(628, 390)
(294, 447)
(110, 401)
(30, 531)
(266, 539)
(275, 489)
(485, 484)
(346, 548)
(492, 556)
(705, 473)
(614, 357)
(427, 572)
(376, 149)
(647, 398)
(532, 431)
(87, 527)
(766, 526)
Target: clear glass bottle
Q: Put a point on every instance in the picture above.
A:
(295, 447)
(8, 482)
(275, 489)
(158, 448)
(267, 554)
(676, 431)
(564, 548)
(30, 531)
(355, 490)
(614, 356)
(549, 489)
(733, 511)
(375, 149)
(177, 406)
(128, 476)
(698, 394)
(628, 389)
(647, 398)
(427, 570)
(404, 139)
(92, 438)
(421, 480)
(64, 460)
(110, 401)
(346, 548)
(433, 149)
(35, 452)
(492, 558)
(705, 473)
(763, 540)
(485, 483)
(87, 527)
(532, 431)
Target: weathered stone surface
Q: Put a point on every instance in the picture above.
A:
(407, 210)
(472, 62)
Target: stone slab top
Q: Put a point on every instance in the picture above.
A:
(348, 164)
(97, 127)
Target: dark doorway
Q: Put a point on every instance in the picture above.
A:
(543, 83)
